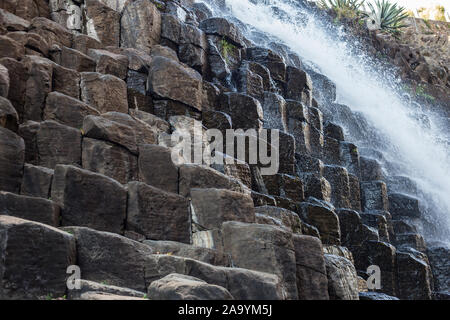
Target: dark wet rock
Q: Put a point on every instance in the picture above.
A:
(157, 169)
(29, 208)
(197, 176)
(234, 103)
(36, 181)
(66, 110)
(340, 189)
(285, 185)
(171, 80)
(140, 25)
(181, 287)
(342, 278)
(312, 282)
(89, 199)
(321, 215)
(8, 115)
(370, 169)
(223, 28)
(73, 59)
(111, 259)
(374, 196)
(296, 81)
(156, 214)
(51, 31)
(34, 260)
(66, 81)
(269, 59)
(206, 255)
(109, 63)
(104, 92)
(402, 205)
(355, 192)
(439, 256)
(274, 108)
(413, 277)
(212, 207)
(11, 160)
(288, 219)
(375, 296)
(88, 290)
(262, 248)
(109, 159)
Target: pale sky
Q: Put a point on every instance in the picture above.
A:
(416, 4)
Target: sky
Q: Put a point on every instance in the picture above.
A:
(415, 4)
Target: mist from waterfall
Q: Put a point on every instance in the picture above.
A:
(421, 150)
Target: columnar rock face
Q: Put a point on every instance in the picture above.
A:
(102, 22)
(157, 214)
(36, 181)
(11, 159)
(413, 277)
(322, 215)
(30, 208)
(184, 84)
(98, 258)
(34, 259)
(49, 143)
(196, 176)
(263, 248)
(89, 199)
(66, 110)
(212, 207)
(104, 92)
(140, 25)
(342, 278)
(92, 95)
(312, 282)
(182, 287)
(157, 169)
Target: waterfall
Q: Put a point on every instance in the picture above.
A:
(406, 134)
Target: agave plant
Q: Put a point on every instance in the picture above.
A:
(387, 16)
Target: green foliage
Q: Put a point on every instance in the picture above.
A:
(420, 92)
(227, 48)
(344, 8)
(389, 15)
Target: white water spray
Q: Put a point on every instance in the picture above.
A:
(419, 149)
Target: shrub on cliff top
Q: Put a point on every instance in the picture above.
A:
(344, 8)
(387, 16)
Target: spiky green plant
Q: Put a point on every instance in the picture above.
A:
(344, 8)
(388, 15)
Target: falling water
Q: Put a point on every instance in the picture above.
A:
(420, 149)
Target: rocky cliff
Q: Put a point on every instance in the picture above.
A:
(91, 93)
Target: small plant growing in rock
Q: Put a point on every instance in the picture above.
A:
(387, 16)
(420, 92)
(227, 48)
